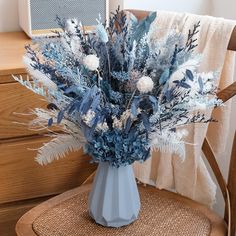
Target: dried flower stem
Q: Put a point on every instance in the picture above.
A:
(131, 99)
(99, 78)
(109, 63)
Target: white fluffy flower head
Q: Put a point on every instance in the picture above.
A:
(71, 26)
(91, 62)
(145, 84)
(200, 106)
(88, 117)
(102, 126)
(117, 123)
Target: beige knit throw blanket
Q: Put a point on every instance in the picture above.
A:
(191, 177)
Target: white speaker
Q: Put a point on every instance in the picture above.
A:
(38, 17)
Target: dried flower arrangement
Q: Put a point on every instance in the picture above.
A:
(116, 92)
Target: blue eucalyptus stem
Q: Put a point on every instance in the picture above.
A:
(108, 62)
(99, 78)
(131, 99)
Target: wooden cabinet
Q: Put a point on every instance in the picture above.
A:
(16, 101)
(23, 182)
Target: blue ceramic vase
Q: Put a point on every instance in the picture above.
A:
(114, 199)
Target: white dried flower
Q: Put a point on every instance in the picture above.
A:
(37, 75)
(208, 87)
(91, 62)
(194, 105)
(101, 33)
(125, 115)
(191, 64)
(117, 123)
(88, 117)
(102, 126)
(76, 46)
(206, 76)
(200, 106)
(71, 26)
(145, 84)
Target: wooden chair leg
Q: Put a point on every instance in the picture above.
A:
(232, 188)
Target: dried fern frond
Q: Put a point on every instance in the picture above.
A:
(41, 121)
(37, 75)
(52, 96)
(168, 142)
(42, 117)
(58, 148)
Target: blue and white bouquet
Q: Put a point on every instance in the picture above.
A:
(117, 92)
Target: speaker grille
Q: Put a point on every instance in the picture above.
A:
(44, 12)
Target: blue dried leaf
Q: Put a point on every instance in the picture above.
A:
(70, 89)
(88, 99)
(75, 106)
(164, 76)
(61, 86)
(101, 33)
(134, 107)
(143, 27)
(146, 122)
(184, 85)
(92, 129)
(176, 81)
(128, 125)
(201, 85)
(60, 117)
(189, 74)
(133, 19)
(50, 122)
(132, 132)
(78, 90)
(96, 102)
(169, 95)
(86, 131)
(154, 102)
(84, 101)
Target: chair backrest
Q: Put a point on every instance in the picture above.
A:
(228, 189)
(141, 14)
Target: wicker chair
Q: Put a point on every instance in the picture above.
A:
(162, 212)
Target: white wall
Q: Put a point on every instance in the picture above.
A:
(224, 9)
(191, 6)
(9, 14)
(115, 3)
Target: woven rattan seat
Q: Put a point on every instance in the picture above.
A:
(162, 213)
